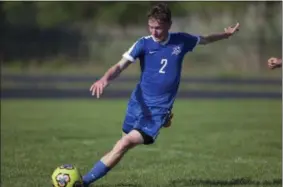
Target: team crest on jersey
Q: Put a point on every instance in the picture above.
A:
(176, 50)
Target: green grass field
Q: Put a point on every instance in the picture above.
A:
(211, 143)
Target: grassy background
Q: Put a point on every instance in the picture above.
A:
(211, 143)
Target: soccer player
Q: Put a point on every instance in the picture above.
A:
(274, 63)
(149, 107)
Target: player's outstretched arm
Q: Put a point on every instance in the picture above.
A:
(230, 31)
(113, 72)
(274, 63)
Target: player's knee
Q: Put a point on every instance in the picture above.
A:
(128, 142)
(125, 143)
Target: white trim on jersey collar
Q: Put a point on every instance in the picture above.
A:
(165, 42)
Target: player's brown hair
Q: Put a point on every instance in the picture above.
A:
(160, 12)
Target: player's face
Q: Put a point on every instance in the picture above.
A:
(159, 30)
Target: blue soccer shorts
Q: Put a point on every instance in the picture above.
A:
(147, 120)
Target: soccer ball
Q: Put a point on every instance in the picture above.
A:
(66, 175)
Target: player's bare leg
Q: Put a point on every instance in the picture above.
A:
(107, 154)
(112, 158)
(126, 143)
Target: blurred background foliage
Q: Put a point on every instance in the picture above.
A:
(62, 36)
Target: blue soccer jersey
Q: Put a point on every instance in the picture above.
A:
(161, 65)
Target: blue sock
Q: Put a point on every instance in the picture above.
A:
(98, 171)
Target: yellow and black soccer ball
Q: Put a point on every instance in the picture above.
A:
(66, 175)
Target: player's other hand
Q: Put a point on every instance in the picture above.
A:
(98, 87)
(232, 29)
(274, 63)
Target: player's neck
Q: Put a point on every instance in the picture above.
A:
(164, 41)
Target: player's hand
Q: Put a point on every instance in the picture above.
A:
(232, 29)
(274, 63)
(98, 87)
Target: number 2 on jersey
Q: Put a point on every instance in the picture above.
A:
(164, 64)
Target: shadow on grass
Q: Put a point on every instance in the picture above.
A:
(118, 185)
(231, 182)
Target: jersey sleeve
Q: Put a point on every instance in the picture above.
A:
(191, 41)
(136, 51)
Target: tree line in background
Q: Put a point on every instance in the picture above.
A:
(28, 27)
(46, 15)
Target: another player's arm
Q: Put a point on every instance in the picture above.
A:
(274, 63)
(219, 36)
(112, 73)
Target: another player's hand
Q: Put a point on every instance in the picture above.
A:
(232, 29)
(98, 87)
(274, 63)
